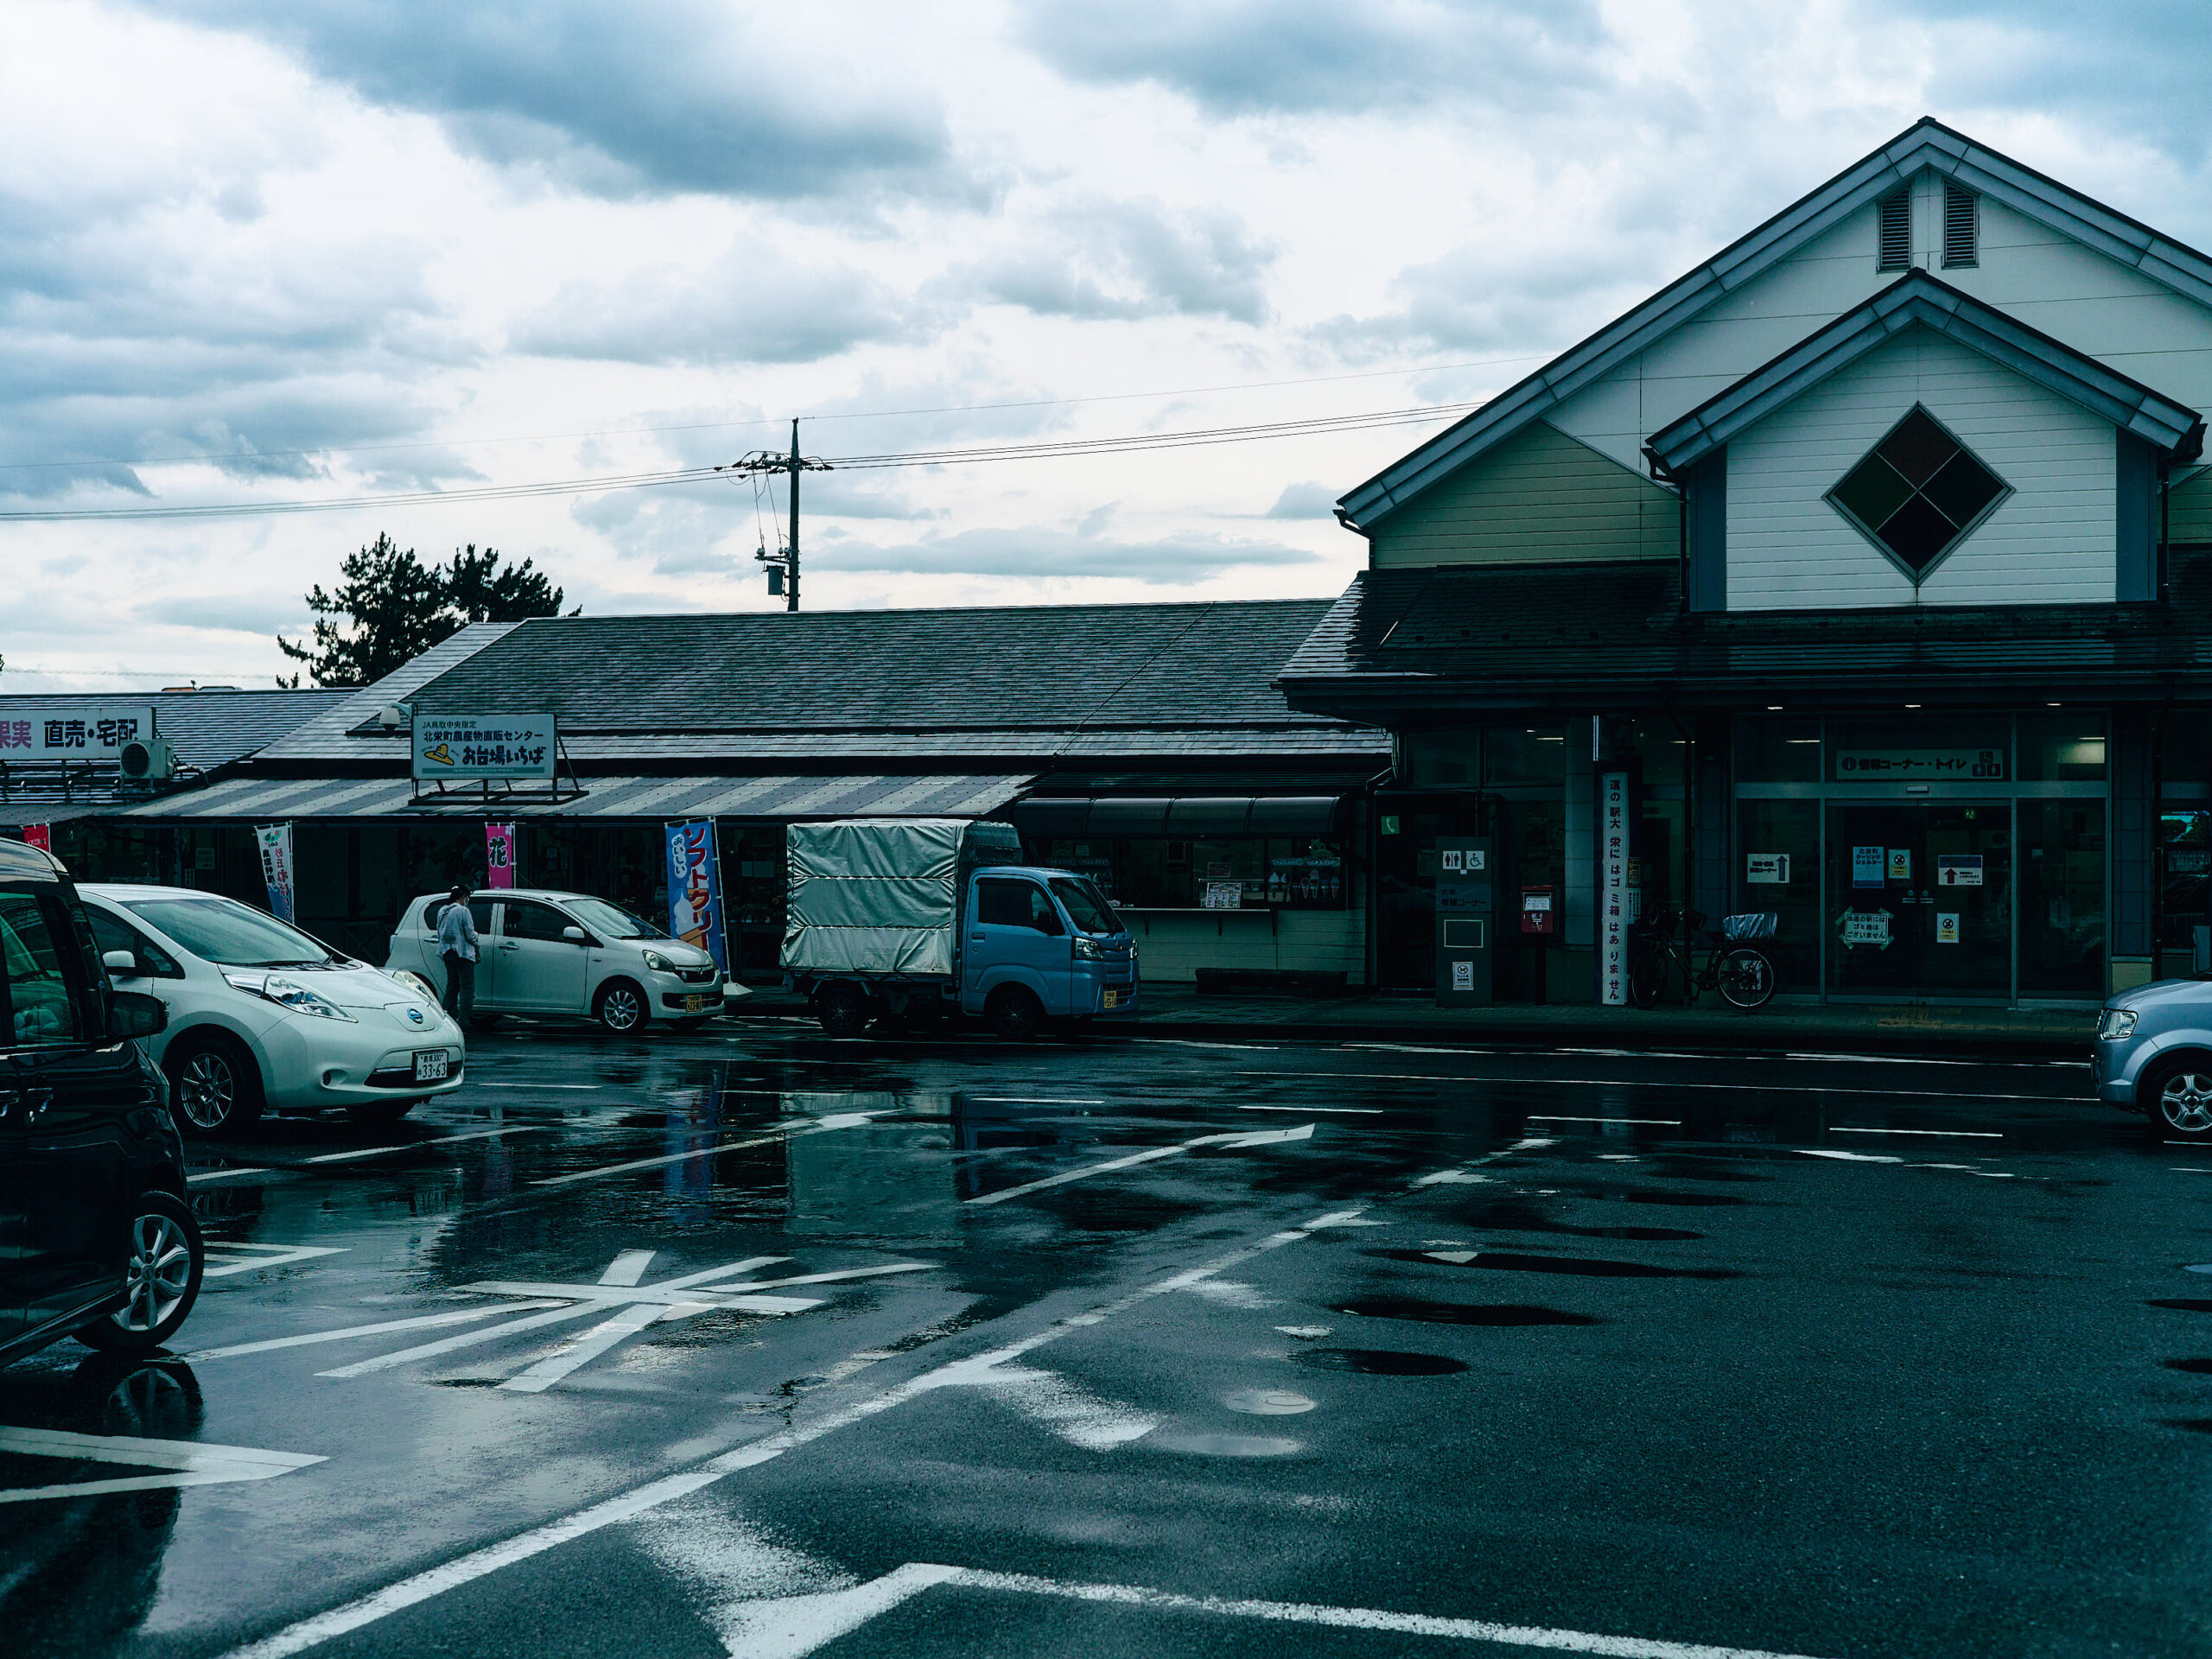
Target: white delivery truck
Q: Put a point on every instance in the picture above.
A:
(905, 919)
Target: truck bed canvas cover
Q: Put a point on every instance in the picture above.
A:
(873, 896)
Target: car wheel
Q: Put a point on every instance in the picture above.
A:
(379, 1114)
(620, 1008)
(165, 1263)
(214, 1085)
(842, 1010)
(1014, 1012)
(2180, 1093)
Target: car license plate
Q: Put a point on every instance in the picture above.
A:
(431, 1065)
(1113, 999)
(693, 1003)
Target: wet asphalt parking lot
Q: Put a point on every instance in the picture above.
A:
(750, 1343)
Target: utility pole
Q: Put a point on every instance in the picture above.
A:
(783, 564)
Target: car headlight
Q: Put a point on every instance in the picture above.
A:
(659, 963)
(2116, 1024)
(1089, 949)
(415, 983)
(289, 994)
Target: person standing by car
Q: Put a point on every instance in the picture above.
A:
(457, 945)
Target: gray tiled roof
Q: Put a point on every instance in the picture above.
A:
(1070, 672)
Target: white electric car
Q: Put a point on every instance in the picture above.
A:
(262, 1017)
(546, 952)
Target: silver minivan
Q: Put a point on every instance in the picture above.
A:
(2154, 1055)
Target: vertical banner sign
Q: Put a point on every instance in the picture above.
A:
(498, 855)
(40, 836)
(275, 843)
(1612, 888)
(695, 899)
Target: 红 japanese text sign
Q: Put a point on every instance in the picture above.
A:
(483, 746)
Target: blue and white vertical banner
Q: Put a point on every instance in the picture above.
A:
(694, 897)
(275, 840)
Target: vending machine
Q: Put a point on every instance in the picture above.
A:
(1466, 920)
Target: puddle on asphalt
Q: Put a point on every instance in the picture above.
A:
(1586, 1267)
(2185, 1304)
(1269, 1402)
(1223, 1445)
(2194, 1367)
(1484, 1313)
(1525, 1218)
(1377, 1362)
(2195, 1425)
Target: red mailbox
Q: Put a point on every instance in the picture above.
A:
(1540, 910)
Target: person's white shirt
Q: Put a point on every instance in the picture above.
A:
(457, 932)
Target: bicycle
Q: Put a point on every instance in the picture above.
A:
(1743, 974)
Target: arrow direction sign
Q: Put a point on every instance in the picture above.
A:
(188, 1463)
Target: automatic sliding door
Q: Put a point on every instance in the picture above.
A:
(1920, 899)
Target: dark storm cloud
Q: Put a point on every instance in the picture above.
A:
(618, 100)
(1241, 57)
(1102, 259)
(1044, 554)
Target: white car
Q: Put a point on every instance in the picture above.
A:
(262, 1017)
(547, 952)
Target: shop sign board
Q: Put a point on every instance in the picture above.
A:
(275, 840)
(498, 855)
(1920, 765)
(1958, 869)
(1900, 863)
(1869, 867)
(483, 746)
(1767, 869)
(1457, 859)
(1613, 887)
(1867, 927)
(40, 836)
(94, 732)
(1947, 928)
(1224, 895)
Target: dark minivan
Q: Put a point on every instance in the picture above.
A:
(95, 1239)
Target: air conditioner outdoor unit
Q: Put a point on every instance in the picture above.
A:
(147, 761)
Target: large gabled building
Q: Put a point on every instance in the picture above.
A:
(1871, 563)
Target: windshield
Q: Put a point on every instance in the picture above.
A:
(1086, 906)
(611, 921)
(228, 933)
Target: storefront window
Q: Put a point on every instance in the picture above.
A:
(1443, 758)
(1246, 872)
(1778, 869)
(2062, 898)
(1781, 751)
(2185, 898)
(1919, 751)
(2185, 750)
(2063, 748)
(1524, 754)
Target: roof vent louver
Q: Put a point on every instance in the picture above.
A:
(1896, 230)
(1961, 222)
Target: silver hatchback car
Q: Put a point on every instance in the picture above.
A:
(2154, 1055)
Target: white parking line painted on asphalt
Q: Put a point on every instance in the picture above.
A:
(1031, 1100)
(1255, 1138)
(1337, 1111)
(587, 1347)
(597, 1088)
(424, 1322)
(627, 1268)
(190, 1463)
(222, 1175)
(1191, 1042)
(1561, 1117)
(465, 1339)
(1654, 1082)
(1884, 1158)
(416, 1146)
(467, 1569)
(1954, 1135)
(842, 1121)
(248, 1258)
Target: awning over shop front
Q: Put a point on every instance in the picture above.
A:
(1187, 816)
(933, 795)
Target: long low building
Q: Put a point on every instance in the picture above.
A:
(1143, 744)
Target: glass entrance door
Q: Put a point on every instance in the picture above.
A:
(1920, 899)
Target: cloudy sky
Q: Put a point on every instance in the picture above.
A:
(253, 251)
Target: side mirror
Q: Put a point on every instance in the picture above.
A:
(133, 1014)
(576, 935)
(121, 962)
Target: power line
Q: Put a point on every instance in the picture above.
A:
(1128, 444)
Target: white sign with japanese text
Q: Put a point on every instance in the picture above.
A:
(1958, 869)
(95, 731)
(1613, 913)
(1934, 765)
(1224, 895)
(1767, 869)
(483, 746)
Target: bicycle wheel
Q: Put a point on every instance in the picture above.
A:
(1646, 976)
(1746, 977)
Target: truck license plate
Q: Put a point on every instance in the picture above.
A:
(693, 1003)
(431, 1065)
(1113, 999)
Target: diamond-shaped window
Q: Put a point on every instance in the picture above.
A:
(1917, 493)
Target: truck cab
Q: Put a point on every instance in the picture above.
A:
(1042, 945)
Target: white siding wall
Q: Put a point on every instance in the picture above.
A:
(2049, 543)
